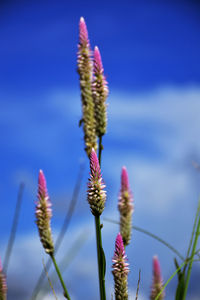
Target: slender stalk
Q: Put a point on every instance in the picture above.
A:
(153, 236)
(192, 235)
(66, 295)
(100, 149)
(100, 253)
(67, 260)
(138, 286)
(49, 280)
(100, 258)
(14, 228)
(191, 260)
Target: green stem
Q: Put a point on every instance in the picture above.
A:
(14, 228)
(66, 295)
(100, 258)
(192, 235)
(100, 149)
(191, 261)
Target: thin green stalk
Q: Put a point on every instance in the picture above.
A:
(49, 280)
(14, 228)
(101, 259)
(100, 252)
(191, 261)
(153, 236)
(192, 235)
(66, 295)
(100, 149)
(67, 260)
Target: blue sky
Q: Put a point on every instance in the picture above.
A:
(150, 52)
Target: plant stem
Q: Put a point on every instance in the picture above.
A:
(192, 235)
(14, 228)
(66, 295)
(100, 149)
(100, 258)
(191, 260)
(100, 252)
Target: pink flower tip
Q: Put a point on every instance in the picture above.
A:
(119, 245)
(94, 164)
(124, 179)
(42, 186)
(83, 33)
(156, 267)
(97, 60)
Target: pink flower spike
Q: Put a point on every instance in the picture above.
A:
(124, 179)
(120, 269)
(42, 186)
(43, 214)
(156, 268)
(119, 248)
(98, 66)
(96, 193)
(94, 165)
(157, 280)
(125, 206)
(83, 32)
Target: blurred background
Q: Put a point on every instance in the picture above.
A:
(150, 52)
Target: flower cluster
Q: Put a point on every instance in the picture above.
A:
(43, 215)
(96, 192)
(94, 90)
(120, 270)
(125, 206)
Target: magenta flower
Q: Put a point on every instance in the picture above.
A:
(85, 67)
(43, 215)
(125, 206)
(3, 285)
(100, 94)
(157, 283)
(96, 192)
(120, 270)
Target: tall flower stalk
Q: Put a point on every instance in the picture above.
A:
(85, 69)
(43, 215)
(157, 283)
(3, 285)
(125, 206)
(96, 199)
(120, 270)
